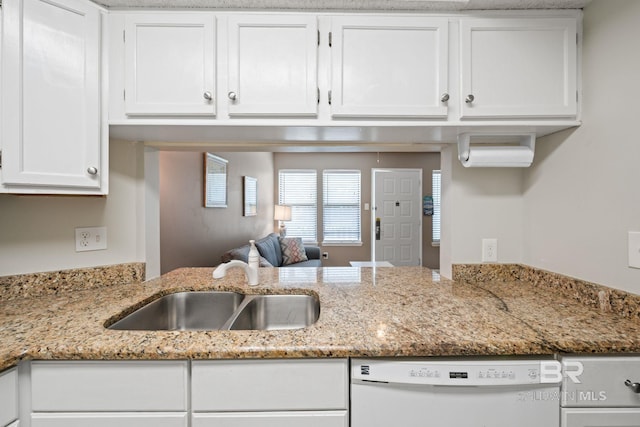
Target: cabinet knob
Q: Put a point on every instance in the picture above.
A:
(444, 97)
(469, 99)
(233, 96)
(92, 170)
(208, 96)
(635, 387)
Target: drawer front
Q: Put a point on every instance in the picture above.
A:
(109, 420)
(600, 417)
(269, 385)
(601, 381)
(272, 419)
(109, 386)
(8, 396)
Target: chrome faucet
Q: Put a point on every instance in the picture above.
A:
(250, 272)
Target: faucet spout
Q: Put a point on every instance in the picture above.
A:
(250, 272)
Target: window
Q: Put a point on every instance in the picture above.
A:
(435, 186)
(341, 206)
(299, 189)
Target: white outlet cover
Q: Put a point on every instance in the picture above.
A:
(634, 249)
(91, 239)
(489, 250)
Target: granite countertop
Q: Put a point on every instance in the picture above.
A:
(400, 311)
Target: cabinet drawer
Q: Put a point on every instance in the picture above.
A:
(579, 417)
(109, 386)
(8, 396)
(264, 385)
(110, 420)
(601, 381)
(272, 419)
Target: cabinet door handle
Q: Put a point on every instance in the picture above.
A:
(635, 387)
(233, 96)
(469, 99)
(207, 95)
(444, 97)
(92, 170)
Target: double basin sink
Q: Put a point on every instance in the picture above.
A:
(217, 310)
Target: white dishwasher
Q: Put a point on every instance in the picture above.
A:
(455, 393)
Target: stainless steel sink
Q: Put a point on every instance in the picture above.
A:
(223, 310)
(183, 311)
(268, 312)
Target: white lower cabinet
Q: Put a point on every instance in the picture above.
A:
(9, 397)
(600, 417)
(265, 393)
(109, 420)
(272, 419)
(105, 394)
(600, 392)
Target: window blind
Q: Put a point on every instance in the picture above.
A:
(435, 185)
(341, 206)
(299, 189)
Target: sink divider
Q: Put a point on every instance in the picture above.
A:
(245, 301)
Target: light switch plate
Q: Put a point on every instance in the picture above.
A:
(634, 249)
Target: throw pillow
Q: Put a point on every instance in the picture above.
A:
(292, 250)
(264, 262)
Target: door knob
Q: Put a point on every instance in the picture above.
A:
(635, 387)
(444, 97)
(92, 170)
(207, 95)
(469, 99)
(233, 96)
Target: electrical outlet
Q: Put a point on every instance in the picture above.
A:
(489, 250)
(634, 249)
(91, 239)
(325, 255)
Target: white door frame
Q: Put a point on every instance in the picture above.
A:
(373, 206)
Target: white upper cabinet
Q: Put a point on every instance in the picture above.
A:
(170, 64)
(518, 67)
(389, 67)
(51, 132)
(273, 62)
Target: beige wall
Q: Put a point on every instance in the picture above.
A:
(194, 236)
(341, 255)
(581, 196)
(479, 203)
(37, 232)
(571, 211)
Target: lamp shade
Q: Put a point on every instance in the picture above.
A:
(282, 213)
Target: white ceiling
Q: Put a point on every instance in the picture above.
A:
(358, 5)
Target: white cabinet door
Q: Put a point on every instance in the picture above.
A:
(170, 64)
(269, 385)
(272, 419)
(602, 417)
(518, 67)
(273, 65)
(109, 420)
(389, 66)
(101, 386)
(51, 124)
(8, 396)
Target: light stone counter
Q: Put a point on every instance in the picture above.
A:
(399, 311)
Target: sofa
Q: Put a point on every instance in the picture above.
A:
(271, 253)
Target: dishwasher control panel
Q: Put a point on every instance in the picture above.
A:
(457, 373)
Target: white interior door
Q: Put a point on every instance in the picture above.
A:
(397, 204)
